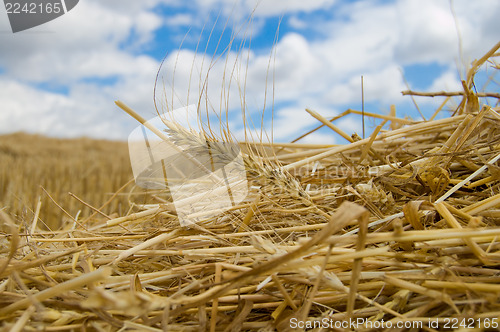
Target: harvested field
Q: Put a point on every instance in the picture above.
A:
(92, 170)
(402, 226)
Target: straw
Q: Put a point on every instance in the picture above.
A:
(402, 226)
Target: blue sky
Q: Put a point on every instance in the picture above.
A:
(61, 78)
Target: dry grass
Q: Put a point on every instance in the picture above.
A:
(400, 226)
(90, 169)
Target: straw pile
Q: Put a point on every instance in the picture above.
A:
(402, 226)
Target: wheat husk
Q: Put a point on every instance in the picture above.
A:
(403, 225)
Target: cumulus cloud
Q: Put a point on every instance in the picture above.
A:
(430, 32)
(31, 110)
(447, 81)
(76, 54)
(96, 54)
(180, 20)
(239, 10)
(280, 7)
(297, 23)
(87, 43)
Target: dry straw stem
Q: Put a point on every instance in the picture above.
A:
(448, 94)
(85, 279)
(406, 131)
(452, 222)
(330, 125)
(393, 119)
(343, 216)
(14, 242)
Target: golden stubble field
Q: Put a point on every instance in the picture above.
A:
(396, 229)
(92, 170)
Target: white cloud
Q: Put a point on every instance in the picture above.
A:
(132, 7)
(350, 125)
(430, 33)
(75, 50)
(427, 32)
(447, 81)
(280, 7)
(84, 44)
(291, 122)
(104, 40)
(180, 20)
(297, 23)
(145, 24)
(82, 114)
(239, 10)
(383, 86)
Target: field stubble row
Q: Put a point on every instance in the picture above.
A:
(90, 169)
